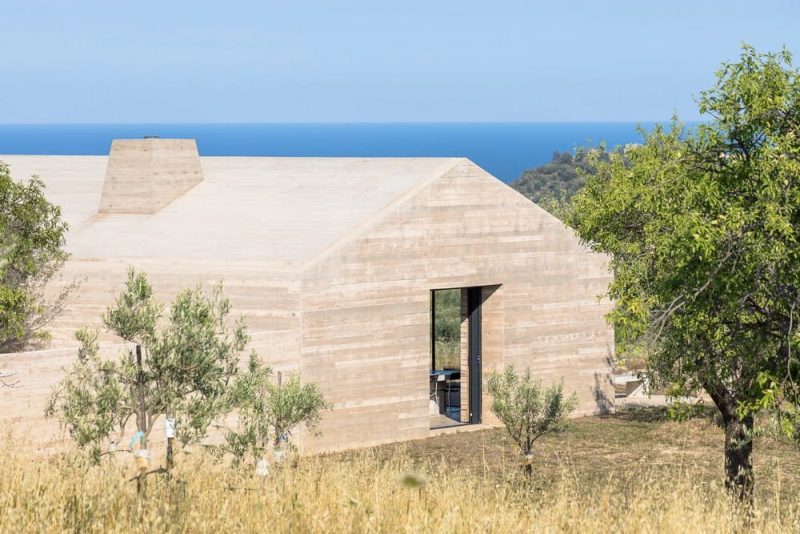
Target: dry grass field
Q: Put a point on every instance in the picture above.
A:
(621, 445)
(631, 472)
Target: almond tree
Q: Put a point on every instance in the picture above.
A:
(702, 228)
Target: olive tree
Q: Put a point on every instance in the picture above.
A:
(702, 228)
(528, 410)
(268, 410)
(32, 234)
(179, 368)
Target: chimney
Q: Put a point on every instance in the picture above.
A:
(144, 175)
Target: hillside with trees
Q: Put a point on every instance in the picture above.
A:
(558, 180)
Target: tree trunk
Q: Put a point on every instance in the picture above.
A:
(169, 430)
(739, 457)
(170, 455)
(738, 443)
(527, 462)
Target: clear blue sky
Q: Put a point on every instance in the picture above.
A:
(372, 60)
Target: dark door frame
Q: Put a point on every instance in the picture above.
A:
(433, 329)
(474, 351)
(474, 355)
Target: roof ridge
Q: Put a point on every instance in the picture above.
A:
(391, 207)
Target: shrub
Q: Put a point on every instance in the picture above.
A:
(527, 410)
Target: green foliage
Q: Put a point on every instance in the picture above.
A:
(96, 392)
(135, 314)
(553, 185)
(448, 314)
(682, 411)
(269, 410)
(190, 359)
(702, 230)
(783, 407)
(528, 410)
(447, 328)
(31, 252)
(684, 406)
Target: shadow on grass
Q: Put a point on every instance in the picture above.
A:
(658, 414)
(641, 414)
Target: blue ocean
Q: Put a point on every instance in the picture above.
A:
(503, 149)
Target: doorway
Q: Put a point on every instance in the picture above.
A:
(456, 362)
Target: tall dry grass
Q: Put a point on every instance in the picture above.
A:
(358, 493)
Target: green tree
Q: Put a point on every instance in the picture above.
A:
(553, 185)
(528, 410)
(269, 410)
(31, 253)
(189, 360)
(702, 230)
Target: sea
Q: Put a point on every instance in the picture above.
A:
(505, 150)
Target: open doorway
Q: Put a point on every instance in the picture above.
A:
(455, 370)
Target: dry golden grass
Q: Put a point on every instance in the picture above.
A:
(595, 447)
(365, 491)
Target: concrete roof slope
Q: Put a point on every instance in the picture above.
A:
(72, 182)
(272, 210)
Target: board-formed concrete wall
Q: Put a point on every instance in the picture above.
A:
(332, 261)
(144, 175)
(366, 306)
(269, 304)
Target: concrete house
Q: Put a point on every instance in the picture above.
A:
(337, 264)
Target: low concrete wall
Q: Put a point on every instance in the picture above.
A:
(22, 402)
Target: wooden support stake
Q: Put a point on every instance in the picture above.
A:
(141, 416)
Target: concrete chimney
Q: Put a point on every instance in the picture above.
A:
(144, 175)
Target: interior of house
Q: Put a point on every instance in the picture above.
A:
(455, 357)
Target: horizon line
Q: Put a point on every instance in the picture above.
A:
(339, 123)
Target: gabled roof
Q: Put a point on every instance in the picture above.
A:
(274, 210)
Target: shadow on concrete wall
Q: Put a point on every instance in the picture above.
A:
(603, 389)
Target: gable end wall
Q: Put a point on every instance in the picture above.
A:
(366, 330)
